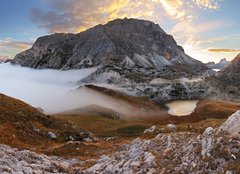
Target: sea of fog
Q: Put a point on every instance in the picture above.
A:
(48, 89)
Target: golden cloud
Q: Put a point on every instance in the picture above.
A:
(173, 8)
(224, 50)
(74, 15)
(9, 47)
(78, 15)
(14, 44)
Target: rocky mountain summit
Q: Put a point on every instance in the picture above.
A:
(124, 43)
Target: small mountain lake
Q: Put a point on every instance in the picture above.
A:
(181, 107)
(216, 70)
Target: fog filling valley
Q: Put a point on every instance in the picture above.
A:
(57, 91)
(51, 90)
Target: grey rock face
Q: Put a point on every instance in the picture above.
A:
(124, 43)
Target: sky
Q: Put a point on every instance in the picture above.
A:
(208, 30)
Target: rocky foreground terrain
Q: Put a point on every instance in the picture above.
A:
(215, 151)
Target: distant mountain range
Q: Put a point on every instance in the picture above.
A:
(220, 65)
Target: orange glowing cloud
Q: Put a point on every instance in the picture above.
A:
(9, 47)
(74, 15)
(224, 50)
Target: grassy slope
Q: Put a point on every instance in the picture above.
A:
(23, 126)
(104, 127)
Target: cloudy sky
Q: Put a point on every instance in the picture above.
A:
(207, 29)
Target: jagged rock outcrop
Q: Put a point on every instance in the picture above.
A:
(124, 43)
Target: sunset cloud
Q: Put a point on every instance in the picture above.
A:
(74, 15)
(173, 8)
(14, 44)
(9, 47)
(223, 50)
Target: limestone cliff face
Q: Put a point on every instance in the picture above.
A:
(125, 43)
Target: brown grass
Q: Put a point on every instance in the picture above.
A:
(105, 127)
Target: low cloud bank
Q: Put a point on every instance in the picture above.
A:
(49, 89)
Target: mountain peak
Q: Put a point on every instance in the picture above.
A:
(137, 23)
(123, 43)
